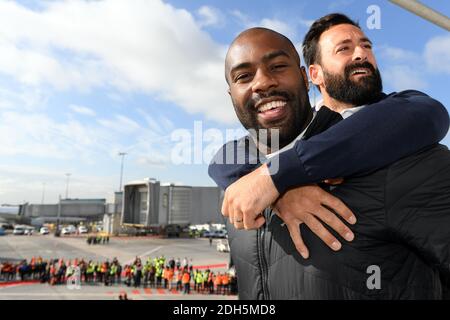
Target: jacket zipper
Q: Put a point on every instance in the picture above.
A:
(262, 259)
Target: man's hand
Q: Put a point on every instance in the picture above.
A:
(245, 199)
(306, 205)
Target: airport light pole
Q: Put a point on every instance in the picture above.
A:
(43, 193)
(425, 12)
(67, 185)
(122, 154)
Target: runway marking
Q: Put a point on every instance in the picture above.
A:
(161, 291)
(18, 283)
(144, 254)
(39, 294)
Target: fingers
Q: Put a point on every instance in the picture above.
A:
(338, 206)
(319, 230)
(334, 222)
(238, 218)
(247, 221)
(294, 231)
(225, 205)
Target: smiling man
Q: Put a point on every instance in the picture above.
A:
(397, 180)
(286, 109)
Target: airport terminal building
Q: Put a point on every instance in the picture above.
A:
(150, 203)
(66, 211)
(144, 203)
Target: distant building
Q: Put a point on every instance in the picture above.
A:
(113, 214)
(10, 213)
(66, 211)
(150, 203)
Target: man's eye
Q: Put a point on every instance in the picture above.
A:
(242, 77)
(279, 66)
(368, 46)
(342, 49)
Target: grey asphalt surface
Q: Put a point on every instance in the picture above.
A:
(125, 249)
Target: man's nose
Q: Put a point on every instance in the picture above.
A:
(263, 81)
(359, 54)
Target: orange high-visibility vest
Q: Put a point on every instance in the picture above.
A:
(218, 280)
(186, 278)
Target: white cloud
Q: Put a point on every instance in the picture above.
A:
(279, 26)
(437, 54)
(136, 45)
(27, 185)
(394, 54)
(152, 123)
(405, 69)
(82, 110)
(403, 77)
(210, 16)
(25, 99)
(275, 24)
(74, 146)
(120, 124)
(402, 68)
(155, 160)
(37, 135)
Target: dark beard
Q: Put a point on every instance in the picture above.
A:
(289, 128)
(365, 91)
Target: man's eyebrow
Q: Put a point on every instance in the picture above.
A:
(343, 42)
(268, 56)
(239, 66)
(365, 39)
(275, 54)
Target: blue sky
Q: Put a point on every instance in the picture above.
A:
(81, 81)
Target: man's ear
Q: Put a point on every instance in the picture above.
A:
(305, 77)
(316, 74)
(229, 91)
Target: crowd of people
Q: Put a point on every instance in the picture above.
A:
(97, 239)
(158, 272)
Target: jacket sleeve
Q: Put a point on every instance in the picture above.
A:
(234, 160)
(397, 126)
(418, 206)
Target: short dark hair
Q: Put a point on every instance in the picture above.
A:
(257, 30)
(311, 51)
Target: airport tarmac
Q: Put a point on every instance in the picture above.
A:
(124, 248)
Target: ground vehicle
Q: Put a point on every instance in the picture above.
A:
(215, 234)
(173, 230)
(82, 229)
(44, 230)
(220, 233)
(2, 231)
(28, 231)
(207, 234)
(68, 230)
(223, 246)
(19, 230)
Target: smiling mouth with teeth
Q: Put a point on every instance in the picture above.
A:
(271, 105)
(359, 71)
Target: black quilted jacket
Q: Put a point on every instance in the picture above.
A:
(403, 227)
